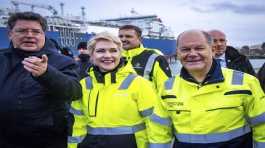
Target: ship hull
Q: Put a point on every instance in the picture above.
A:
(71, 39)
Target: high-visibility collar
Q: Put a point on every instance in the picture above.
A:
(133, 52)
(101, 77)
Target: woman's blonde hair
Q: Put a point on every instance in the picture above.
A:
(103, 36)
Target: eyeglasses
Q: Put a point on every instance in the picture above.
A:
(23, 31)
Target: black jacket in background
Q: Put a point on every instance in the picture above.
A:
(237, 61)
(33, 109)
(261, 76)
(84, 65)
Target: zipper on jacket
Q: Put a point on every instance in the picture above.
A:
(199, 85)
(93, 114)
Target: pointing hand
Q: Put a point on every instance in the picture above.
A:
(35, 65)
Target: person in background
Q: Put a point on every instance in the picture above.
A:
(35, 83)
(55, 45)
(261, 76)
(119, 109)
(148, 63)
(67, 52)
(83, 52)
(228, 56)
(83, 59)
(210, 106)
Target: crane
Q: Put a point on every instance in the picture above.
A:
(47, 7)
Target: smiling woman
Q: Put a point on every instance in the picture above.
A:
(105, 51)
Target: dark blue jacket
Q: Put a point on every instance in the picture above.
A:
(237, 61)
(261, 76)
(35, 106)
(84, 65)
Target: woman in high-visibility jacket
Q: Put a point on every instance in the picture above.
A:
(118, 108)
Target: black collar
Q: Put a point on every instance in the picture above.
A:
(100, 76)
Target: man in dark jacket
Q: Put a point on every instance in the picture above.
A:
(228, 56)
(261, 76)
(36, 82)
(83, 59)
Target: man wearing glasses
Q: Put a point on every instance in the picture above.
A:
(35, 84)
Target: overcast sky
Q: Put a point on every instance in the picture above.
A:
(243, 21)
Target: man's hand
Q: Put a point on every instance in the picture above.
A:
(36, 66)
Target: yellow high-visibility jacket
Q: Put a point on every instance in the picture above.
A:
(117, 103)
(229, 104)
(150, 64)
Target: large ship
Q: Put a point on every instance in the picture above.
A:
(69, 31)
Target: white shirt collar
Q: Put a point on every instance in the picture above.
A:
(222, 58)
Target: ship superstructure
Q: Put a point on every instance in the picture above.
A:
(151, 25)
(69, 31)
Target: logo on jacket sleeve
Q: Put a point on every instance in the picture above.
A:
(137, 66)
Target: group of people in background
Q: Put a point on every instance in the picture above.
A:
(119, 94)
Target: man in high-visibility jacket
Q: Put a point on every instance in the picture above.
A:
(210, 106)
(148, 63)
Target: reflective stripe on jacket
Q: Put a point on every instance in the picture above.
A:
(149, 64)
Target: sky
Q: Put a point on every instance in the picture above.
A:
(243, 21)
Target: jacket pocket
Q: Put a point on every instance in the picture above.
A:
(237, 92)
(228, 112)
(223, 105)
